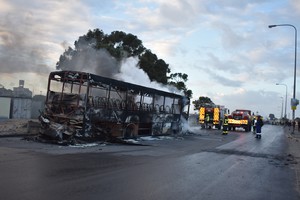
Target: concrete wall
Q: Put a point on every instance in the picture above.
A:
(21, 108)
(5, 105)
(37, 107)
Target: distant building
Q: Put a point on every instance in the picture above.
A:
(5, 92)
(19, 103)
(5, 105)
(21, 91)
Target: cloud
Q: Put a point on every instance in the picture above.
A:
(243, 40)
(240, 50)
(31, 33)
(263, 102)
(223, 65)
(222, 79)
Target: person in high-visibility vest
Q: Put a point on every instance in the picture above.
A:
(207, 121)
(225, 125)
(254, 125)
(259, 124)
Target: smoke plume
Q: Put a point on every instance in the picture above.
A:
(91, 60)
(20, 48)
(99, 61)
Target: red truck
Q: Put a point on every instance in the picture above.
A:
(240, 118)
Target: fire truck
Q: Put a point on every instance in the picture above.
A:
(211, 116)
(240, 119)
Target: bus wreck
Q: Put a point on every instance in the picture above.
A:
(86, 105)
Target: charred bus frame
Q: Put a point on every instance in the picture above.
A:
(87, 105)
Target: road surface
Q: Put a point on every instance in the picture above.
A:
(206, 165)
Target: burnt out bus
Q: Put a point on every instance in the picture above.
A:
(88, 105)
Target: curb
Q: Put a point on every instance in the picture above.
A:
(293, 142)
(16, 135)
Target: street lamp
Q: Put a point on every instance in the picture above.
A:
(295, 61)
(281, 107)
(285, 97)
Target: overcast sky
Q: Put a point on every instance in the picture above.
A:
(225, 46)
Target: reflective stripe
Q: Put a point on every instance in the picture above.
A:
(216, 115)
(235, 121)
(201, 115)
(225, 122)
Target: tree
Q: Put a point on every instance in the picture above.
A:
(271, 116)
(156, 68)
(118, 46)
(178, 80)
(122, 45)
(202, 101)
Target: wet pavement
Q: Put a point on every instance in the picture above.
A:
(204, 165)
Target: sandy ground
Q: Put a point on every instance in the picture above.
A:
(15, 126)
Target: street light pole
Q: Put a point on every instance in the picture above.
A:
(285, 98)
(295, 61)
(281, 107)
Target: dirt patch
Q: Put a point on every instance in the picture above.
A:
(15, 126)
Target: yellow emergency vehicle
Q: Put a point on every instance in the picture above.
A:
(211, 116)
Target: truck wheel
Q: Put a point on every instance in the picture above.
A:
(248, 128)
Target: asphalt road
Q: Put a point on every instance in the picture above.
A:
(206, 165)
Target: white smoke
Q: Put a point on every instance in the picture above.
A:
(131, 73)
(91, 60)
(100, 62)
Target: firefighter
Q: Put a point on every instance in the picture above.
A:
(259, 124)
(225, 125)
(206, 121)
(254, 124)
